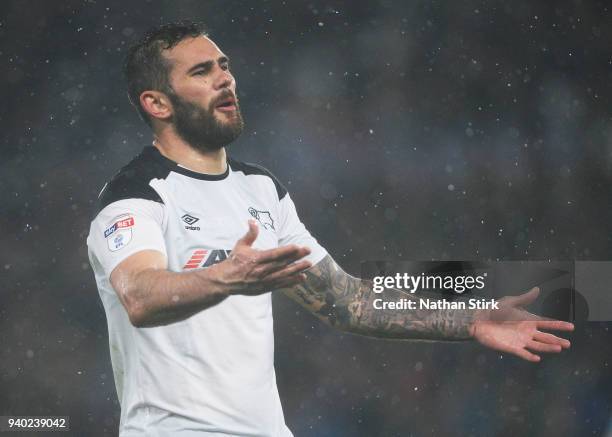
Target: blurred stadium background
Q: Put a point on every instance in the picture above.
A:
(404, 130)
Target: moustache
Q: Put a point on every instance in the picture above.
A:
(223, 96)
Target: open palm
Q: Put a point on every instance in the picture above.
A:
(514, 330)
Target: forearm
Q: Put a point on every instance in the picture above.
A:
(347, 303)
(156, 297)
(415, 323)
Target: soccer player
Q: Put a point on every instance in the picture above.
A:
(187, 244)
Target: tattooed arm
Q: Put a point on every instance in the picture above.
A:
(346, 302)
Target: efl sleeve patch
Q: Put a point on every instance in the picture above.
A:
(119, 233)
(124, 228)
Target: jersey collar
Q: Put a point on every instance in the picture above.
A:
(173, 166)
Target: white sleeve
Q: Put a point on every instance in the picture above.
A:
(293, 231)
(123, 228)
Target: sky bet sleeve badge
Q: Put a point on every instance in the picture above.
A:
(119, 233)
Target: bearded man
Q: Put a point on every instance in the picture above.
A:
(187, 245)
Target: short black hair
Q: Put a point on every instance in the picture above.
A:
(145, 67)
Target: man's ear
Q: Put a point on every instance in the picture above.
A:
(156, 104)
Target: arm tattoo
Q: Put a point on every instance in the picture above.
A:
(346, 302)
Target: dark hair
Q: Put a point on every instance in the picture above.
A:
(146, 68)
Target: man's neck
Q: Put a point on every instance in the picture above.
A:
(174, 148)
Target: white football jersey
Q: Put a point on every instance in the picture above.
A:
(213, 373)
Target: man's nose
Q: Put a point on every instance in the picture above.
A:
(224, 80)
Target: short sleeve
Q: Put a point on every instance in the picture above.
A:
(293, 231)
(123, 228)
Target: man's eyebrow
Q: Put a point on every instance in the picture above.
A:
(207, 65)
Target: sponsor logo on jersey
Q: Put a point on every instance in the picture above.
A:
(125, 223)
(191, 220)
(262, 217)
(201, 258)
(119, 233)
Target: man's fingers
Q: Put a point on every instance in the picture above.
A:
(525, 316)
(264, 287)
(526, 355)
(555, 325)
(270, 267)
(523, 299)
(543, 347)
(274, 266)
(545, 337)
(292, 269)
(282, 253)
(287, 256)
(289, 282)
(251, 235)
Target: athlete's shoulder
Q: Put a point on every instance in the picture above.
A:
(249, 168)
(132, 180)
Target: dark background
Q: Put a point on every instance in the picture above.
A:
(404, 130)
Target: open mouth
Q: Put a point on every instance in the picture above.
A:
(226, 105)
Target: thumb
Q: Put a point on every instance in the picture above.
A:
(525, 298)
(251, 235)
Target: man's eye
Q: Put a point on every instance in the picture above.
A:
(199, 73)
(225, 66)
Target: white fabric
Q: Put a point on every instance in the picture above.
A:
(213, 373)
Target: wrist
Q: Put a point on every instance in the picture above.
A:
(213, 281)
(480, 316)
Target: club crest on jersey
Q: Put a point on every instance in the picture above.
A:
(262, 217)
(201, 258)
(119, 233)
(190, 221)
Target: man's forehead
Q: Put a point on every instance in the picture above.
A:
(191, 51)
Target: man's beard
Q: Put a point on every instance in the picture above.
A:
(200, 128)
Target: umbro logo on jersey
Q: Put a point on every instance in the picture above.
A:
(262, 217)
(206, 258)
(191, 220)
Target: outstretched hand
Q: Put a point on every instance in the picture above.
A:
(250, 271)
(514, 330)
